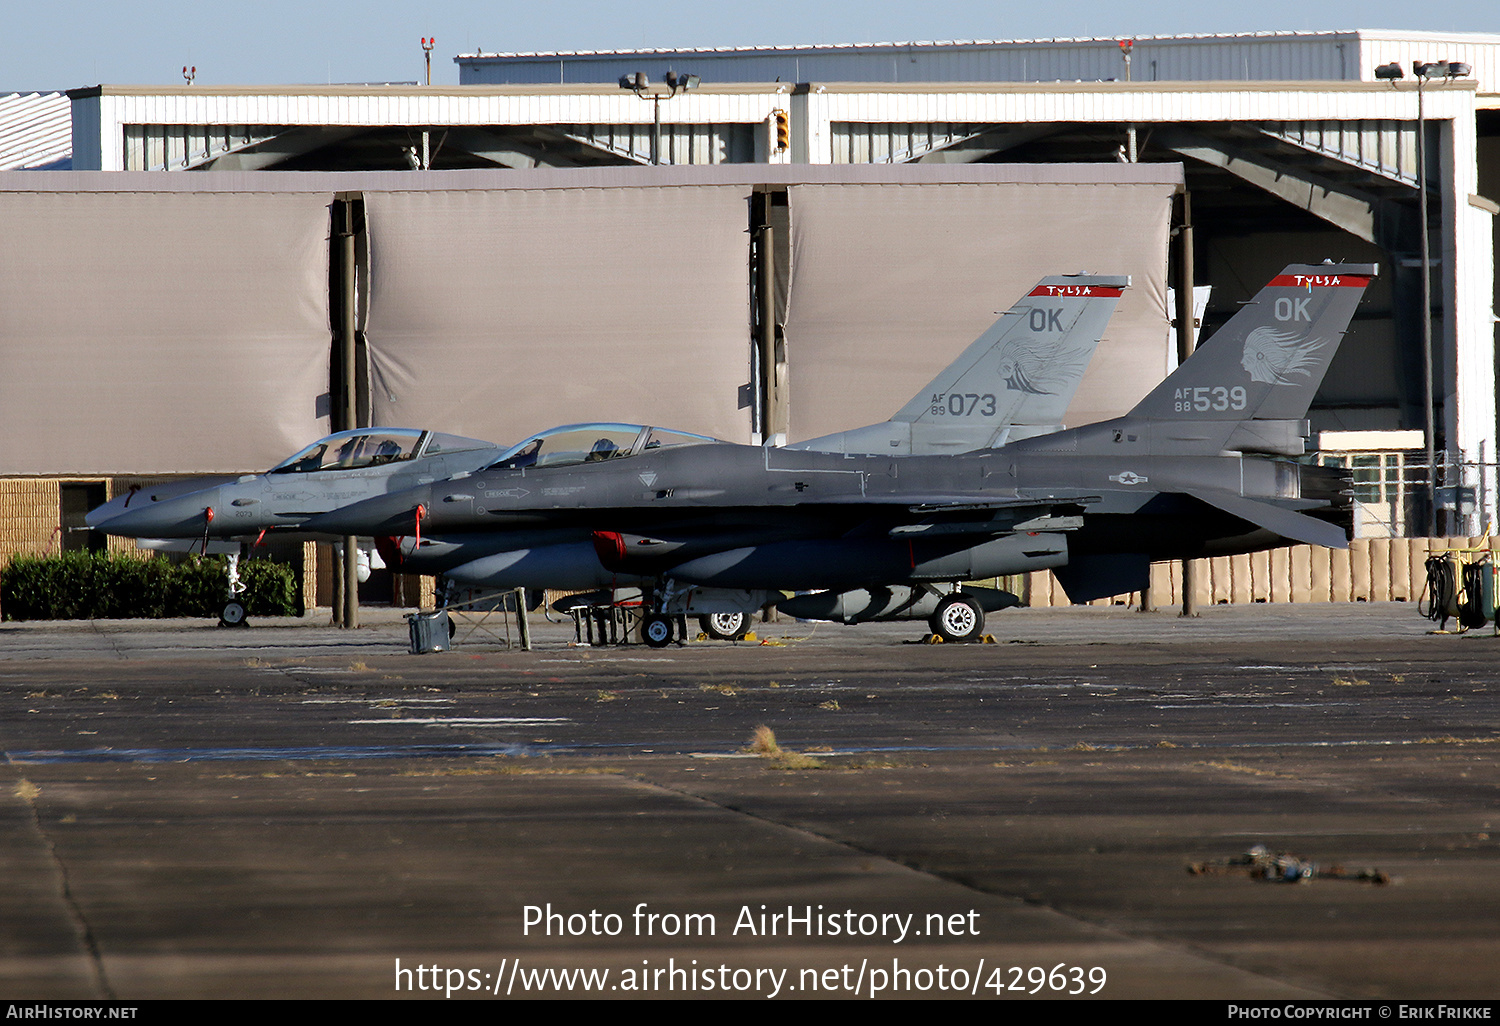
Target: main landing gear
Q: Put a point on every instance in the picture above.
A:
(725, 626)
(958, 618)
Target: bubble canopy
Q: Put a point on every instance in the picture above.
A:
(592, 443)
(373, 447)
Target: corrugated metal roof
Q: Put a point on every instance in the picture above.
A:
(36, 130)
(942, 44)
(1349, 55)
(1185, 37)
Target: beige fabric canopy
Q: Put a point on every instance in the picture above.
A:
(498, 313)
(179, 324)
(160, 333)
(891, 282)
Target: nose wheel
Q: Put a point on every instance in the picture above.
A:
(657, 630)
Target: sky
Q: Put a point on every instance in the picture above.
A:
(92, 42)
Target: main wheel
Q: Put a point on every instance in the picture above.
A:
(958, 618)
(725, 626)
(233, 614)
(656, 630)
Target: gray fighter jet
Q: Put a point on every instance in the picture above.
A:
(1201, 466)
(341, 468)
(332, 471)
(1043, 344)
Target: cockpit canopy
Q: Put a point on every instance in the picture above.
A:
(372, 447)
(591, 443)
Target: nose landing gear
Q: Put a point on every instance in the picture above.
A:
(657, 630)
(233, 613)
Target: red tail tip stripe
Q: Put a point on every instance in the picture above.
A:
(1077, 291)
(1320, 281)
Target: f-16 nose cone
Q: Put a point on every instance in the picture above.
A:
(186, 516)
(144, 497)
(100, 514)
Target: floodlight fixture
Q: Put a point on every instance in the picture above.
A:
(639, 83)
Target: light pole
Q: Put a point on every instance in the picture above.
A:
(639, 84)
(1423, 72)
(1131, 155)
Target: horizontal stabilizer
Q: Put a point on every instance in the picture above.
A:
(1294, 526)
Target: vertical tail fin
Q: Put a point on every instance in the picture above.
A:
(1015, 380)
(1267, 361)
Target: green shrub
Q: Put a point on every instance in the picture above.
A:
(271, 588)
(96, 586)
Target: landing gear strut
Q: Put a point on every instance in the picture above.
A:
(233, 613)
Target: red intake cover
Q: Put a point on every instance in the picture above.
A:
(610, 548)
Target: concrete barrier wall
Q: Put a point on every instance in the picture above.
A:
(1369, 570)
